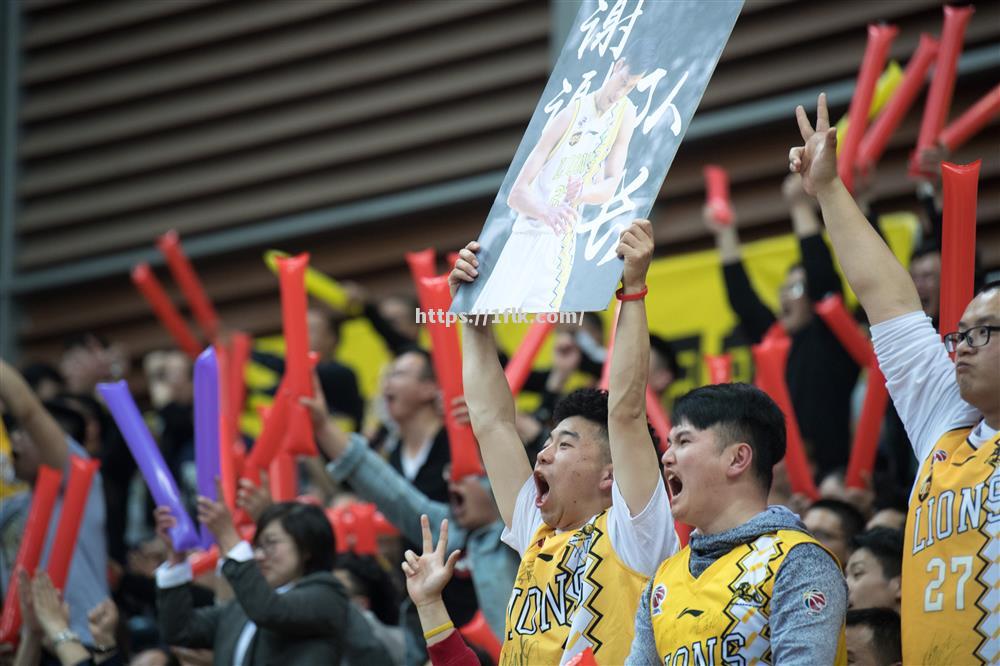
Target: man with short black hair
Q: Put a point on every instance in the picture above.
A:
(591, 521)
(873, 637)
(834, 523)
(752, 586)
(874, 570)
(951, 411)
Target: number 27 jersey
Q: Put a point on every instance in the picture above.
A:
(951, 566)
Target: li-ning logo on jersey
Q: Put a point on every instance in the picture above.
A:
(656, 599)
(815, 601)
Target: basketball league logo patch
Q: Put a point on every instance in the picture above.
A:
(815, 601)
(656, 600)
(940, 455)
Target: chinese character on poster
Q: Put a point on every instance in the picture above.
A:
(595, 153)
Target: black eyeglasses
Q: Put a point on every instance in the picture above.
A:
(974, 337)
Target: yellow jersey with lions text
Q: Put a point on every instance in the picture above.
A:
(571, 591)
(722, 616)
(951, 566)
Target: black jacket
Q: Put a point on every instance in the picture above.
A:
(313, 623)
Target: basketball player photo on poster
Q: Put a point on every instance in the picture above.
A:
(595, 153)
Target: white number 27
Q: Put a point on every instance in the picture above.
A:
(934, 600)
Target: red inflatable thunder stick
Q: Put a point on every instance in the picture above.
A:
(960, 183)
(159, 302)
(519, 366)
(585, 658)
(29, 552)
(969, 123)
(606, 368)
(943, 84)
(717, 194)
(477, 632)
(877, 137)
(239, 355)
(769, 359)
(298, 370)
(421, 264)
(186, 278)
(879, 39)
(268, 444)
(284, 477)
(836, 317)
(720, 368)
(865, 444)
(658, 418)
(229, 468)
(446, 355)
(81, 476)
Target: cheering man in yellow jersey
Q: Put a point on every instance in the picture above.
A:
(951, 558)
(592, 521)
(752, 586)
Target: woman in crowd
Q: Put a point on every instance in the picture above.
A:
(287, 609)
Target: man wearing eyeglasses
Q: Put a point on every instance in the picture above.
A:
(951, 411)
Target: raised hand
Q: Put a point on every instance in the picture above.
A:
(466, 269)
(102, 620)
(427, 575)
(24, 596)
(216, 517)
(164, 521)
(253, 498)
(816, 160)
(636, 247)
(52, 613)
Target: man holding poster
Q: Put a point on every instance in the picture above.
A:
(580, 159)
(591, 520)
(595, 153)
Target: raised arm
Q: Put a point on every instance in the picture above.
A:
(821, 275)
(882, 284)
(22, 403)
(754, 317)
(491, 405)
(632, 451)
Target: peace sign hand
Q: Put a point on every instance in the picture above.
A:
(427, 575)
(816, 161)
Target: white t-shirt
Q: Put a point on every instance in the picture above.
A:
(641, 541)
(920, 377)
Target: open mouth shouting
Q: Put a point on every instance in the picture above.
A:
(541, 488)
(674, 484)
